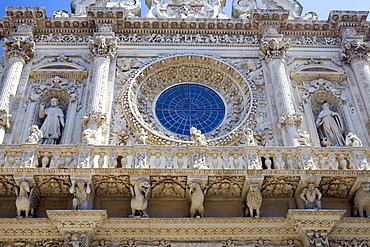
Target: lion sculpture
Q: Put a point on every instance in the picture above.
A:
(254, 200)
(362, 201)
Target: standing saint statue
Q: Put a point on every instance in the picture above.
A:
(54, 118)
(330, 126)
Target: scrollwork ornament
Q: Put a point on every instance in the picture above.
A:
(274, 49)
(101, 48)
(355, 50)
(5, 119)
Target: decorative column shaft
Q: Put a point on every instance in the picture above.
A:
(274, 53)
(20, 49)
(356, 53)
(102, 52)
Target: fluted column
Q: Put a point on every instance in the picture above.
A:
(356, 53)
(19, 50)
(102, 52)
(274, 52)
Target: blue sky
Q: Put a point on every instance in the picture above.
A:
(321, 7)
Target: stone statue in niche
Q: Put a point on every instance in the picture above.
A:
(311, 196)
(23, 191)
(362, 201)
(197, 136)
(353, 140)
(139, 201)
(81, 194)
(195, 198)
(34, 135)
(54, 119)
(330, 126)
(254, 201)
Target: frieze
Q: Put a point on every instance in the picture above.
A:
(168, 186)
(336, 187)
(279, 186)
(112, 185)
(225, 186)
(7, 184)
(53, 185)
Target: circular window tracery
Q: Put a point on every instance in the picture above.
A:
(183, 106)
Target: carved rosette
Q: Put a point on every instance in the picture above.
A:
(355, 50)
(22, 47)
(138, 99)
(101, 48)
(274, 49)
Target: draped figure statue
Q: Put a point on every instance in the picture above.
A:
(330, 127)
(54, 118)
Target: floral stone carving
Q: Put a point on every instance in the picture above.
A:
(225, 186)
(112, 185)
(168, 186)
(279, 186)
(336, 187)
(53, 185)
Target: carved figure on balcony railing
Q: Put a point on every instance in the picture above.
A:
(362, 201)
(254, 200)
(91, 136)
(139, 201)
(311, 196)
(54, 118)
(23, 202)
(197, 136)
(35, 134)
(330, 126)
(195, 198)
(81, 194)
(353, 140)
(302, 137)
(248, 138)
(141, 137)
(199, 162)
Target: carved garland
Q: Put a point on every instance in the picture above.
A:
(151, 81)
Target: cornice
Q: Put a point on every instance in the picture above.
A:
(337, 21)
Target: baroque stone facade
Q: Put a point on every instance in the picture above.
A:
(183, 126)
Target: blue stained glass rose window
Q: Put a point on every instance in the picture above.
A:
(186, 105)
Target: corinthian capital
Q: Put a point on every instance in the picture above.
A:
(355, 50)
(99, 47)
(94, 118)
(274, 49)
(290, 119)
(20, 46)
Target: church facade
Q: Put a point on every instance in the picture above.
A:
(183, 126)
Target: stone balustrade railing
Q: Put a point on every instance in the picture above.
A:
(82, 156)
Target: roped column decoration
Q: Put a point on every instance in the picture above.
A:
(356, 53)
(19, 50)
(274, 53)
(103, 48)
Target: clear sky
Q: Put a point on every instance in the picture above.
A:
(321, 7)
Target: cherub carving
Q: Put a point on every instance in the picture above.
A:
(353, 140)
(197, 136)
(35, 134)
